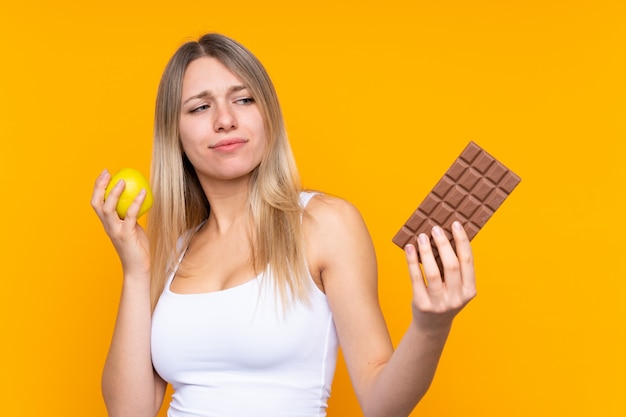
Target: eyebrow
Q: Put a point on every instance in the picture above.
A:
(207, 93)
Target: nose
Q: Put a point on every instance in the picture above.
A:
(225, 119)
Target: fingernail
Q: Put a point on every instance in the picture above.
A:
(422, 238)
(409, 249)
(457, 225)
(437, 231)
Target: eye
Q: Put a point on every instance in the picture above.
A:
(245, 101)
(199, 108)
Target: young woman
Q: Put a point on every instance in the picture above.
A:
(244, 286)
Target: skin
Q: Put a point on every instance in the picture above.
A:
(217, 110)
(340, 253)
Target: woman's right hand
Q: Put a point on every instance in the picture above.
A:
(128, 237)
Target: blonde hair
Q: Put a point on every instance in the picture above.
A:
(180, 204)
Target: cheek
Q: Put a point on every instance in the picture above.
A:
(184, 142)
(263, 147)
(189, 144)
(190, 134)
(261, 132)
(185, 131)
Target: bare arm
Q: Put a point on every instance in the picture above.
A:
(129, 384)
(387, 382)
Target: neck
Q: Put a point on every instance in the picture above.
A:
(229, 201)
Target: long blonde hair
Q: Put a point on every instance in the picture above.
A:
(180, 204)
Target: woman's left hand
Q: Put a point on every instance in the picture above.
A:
(437, 299)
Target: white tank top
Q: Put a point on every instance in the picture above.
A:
(237, 353)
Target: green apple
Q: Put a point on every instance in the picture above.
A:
(135, 182)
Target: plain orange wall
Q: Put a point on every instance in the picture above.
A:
(379, 97)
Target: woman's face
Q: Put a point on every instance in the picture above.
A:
(221, 128)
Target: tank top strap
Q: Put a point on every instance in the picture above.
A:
(305, 197)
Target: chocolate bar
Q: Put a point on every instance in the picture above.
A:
(470, 191)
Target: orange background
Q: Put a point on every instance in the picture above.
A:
(379, 98)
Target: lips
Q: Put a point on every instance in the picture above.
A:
(228, 143)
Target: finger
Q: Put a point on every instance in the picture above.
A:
(431, 270)
(415, 272)
(465, 257)
(449, 260)
(135, 206)
(97, 197)
(112, 199)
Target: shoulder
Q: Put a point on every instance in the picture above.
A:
(334, 230)
(326, 214)
(326, 205)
